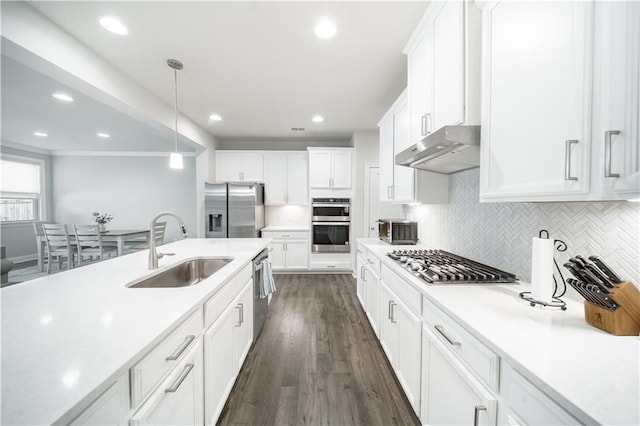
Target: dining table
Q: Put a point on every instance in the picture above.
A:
(119, 236)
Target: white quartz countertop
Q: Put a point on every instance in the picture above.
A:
(285, 228)
(65, 337)
(590, 373)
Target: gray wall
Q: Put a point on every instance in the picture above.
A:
(132, 189)
(501, 234)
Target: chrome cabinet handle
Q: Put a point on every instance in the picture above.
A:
(427, 121)
(607, 153)
(389, 196)
(389, 309)
(185, 372)
(567, 159)
(362, 272)
(476, 413)
(284, 236)
(240, 308)
(440, 329)
(370, 261)
(181, 348)
(393, 317)
(241, 313)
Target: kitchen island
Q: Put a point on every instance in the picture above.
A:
(67, 337)
(539, 361)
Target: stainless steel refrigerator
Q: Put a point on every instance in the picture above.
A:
(234, 209)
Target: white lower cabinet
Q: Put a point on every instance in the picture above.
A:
(111, 408)
(226, 344)
(525, 404)
(373, 298)
(179, 398)
(400, 337)
(451, 394)
(288, 250)
(361, 280)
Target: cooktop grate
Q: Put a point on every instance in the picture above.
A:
(441, 267)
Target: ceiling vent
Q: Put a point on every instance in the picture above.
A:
(298, 129)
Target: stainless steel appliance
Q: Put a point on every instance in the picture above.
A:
(449, 149)
(260, 305)
(398, 231)
(234, 210)
(441, 267)
(331, 225)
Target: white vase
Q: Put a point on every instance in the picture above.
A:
(102, 228)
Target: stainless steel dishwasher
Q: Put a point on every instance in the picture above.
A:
(260, 305)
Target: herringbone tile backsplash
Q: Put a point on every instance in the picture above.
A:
(500, 234)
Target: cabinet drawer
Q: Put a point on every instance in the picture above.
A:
(526, 404)
(402, 289)
(373, 262)
(285, 234)
(223, 298)
(148, 372)
(481, 360)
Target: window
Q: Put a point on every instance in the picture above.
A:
(20, 190)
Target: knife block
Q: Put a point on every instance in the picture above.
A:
(621, 321)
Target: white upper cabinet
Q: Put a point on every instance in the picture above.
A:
(616, 112)
(560, 110)
(285, 178)
(401, 184)
(330, 168)
(238, 166)
(443, 68)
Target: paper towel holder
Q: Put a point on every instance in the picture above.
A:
(556, 301)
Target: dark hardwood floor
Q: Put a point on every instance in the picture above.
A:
(317, 362)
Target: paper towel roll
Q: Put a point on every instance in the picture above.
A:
(542, 287)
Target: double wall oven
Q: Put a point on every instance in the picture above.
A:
(331, 225)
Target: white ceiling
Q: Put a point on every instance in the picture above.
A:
(257, 64)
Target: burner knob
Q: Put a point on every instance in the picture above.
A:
(404, 259)
(416, 266)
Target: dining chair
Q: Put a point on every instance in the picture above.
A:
(89, 243)
(159, 229)
(41, 243)
(58, 245)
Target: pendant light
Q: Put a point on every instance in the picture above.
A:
(175, 159)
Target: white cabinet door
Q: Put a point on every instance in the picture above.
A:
(361, 283)
(252, 167)
(447, 51)
(243, 327)
(111, 408)
(409, 352)
(454, 395)
(386, 160)
(373, 300)
(319, 169)
(297, 175)
(420, 105)
(179, 398)
(616, 114)
(535, 125)
(229, 165)
(297, 254)
(403, 177)
(219, 365)
(341, 170)
(388, 324)
(277, 255)
(275, 179)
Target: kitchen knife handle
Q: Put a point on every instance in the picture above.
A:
(440, 329)
(567, 159)
(605, 269)
(476, 413)
(607, 153)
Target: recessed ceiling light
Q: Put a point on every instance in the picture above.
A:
(317, 119)
(103, 135)
(40, 134)
(215, 117)
(325, 29)
(62, 97)
(113, 25)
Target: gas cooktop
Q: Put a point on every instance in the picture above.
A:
(441, 267)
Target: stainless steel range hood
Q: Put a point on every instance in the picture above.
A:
(449, 149)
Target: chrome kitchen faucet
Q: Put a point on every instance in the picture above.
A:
(153, 254)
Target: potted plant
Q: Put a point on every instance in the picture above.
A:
(102, 219)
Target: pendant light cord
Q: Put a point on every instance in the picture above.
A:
(175, 76)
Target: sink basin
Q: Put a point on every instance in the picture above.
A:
(189, 272)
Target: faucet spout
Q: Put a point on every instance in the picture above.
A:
(153, 253)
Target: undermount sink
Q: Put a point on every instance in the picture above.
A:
(189, 272)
